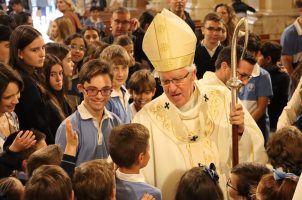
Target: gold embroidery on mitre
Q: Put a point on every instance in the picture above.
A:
(170, 64)
(161, 28)
(163, 47)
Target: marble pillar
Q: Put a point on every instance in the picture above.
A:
(158, 5)
(272, 17)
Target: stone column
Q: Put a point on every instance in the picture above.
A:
(158, 5)
(272, 17)
(198, 9)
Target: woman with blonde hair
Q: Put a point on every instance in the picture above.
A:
(68, 10)
(60, 29)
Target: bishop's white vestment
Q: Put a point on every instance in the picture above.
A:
(180, 140)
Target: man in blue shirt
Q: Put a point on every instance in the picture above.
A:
(291, 42)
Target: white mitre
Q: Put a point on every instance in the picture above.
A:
(169, 42)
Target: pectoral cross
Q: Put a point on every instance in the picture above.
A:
(205, 98)
(194, 138)
(167, 105)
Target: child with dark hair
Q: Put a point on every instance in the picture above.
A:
(199, 183)
(58, 105)
(91, 121)
(145, 20)
(129, 150)
(63, 52)
(255, 95)
(5, 31)
(142, 87)
(91, 34)
(18, 147)
(270, 53)
(95, 21)
(23, 18)
(244, 178)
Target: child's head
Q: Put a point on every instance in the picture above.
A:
(129, 145)
(95, 82)
(24, 155)
(91, 34)
(49, 155)
(11, 188)
(199, 183)
(23, 18)
(53, 72)
(142, 87)
(23, 39)
(95, 12)
(61, 51)
(273, 188)
(270, 54)
(4, 43)
(118, 59)
(126, 42)
(65, 28)
(284, 149)
(49, 182)
(94, 180)
(78, 46)
(244, 178)
(16, 5)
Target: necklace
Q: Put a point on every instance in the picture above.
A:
(4, 125)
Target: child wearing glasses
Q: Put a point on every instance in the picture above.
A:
(244, 178)
(92, 121)
(119, 62)
(199, 183)
(78, 46)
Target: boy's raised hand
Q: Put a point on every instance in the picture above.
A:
(71, 139)
(23, 140)
(147, 196)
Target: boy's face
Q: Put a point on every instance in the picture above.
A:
(17, 7)
(95, 14)
(262, 61)
(4, 51)
(96, 103)
(145, 157)
(212, 32)
(141, 99)
(244, 71)
(120, 75)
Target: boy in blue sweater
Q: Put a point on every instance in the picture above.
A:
(129, 149)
